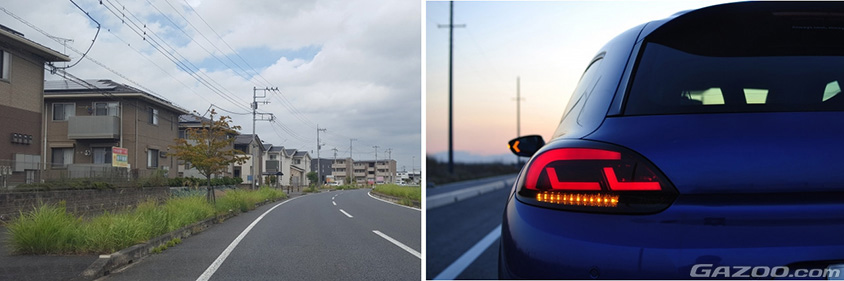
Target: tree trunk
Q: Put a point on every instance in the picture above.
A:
(212, 198)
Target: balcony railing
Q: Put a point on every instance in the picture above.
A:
(93, 127)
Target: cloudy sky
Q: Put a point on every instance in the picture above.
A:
(352, 67)
(547, 44)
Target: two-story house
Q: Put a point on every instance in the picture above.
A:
(85, 121)
(276, 160)
(22, 106)
(191, 121)
(253, 148)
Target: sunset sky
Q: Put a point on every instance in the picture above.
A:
(547, 44)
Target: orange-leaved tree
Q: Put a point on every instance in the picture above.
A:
(209, 149)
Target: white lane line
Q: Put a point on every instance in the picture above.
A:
(219, 261)
(452, 271)
(335, 203)
(385, 201)
(344, 212)
(397, 243)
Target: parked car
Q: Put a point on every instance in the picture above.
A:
(707, 144)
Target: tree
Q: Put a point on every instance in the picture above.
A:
(312, 176)
(209, 148)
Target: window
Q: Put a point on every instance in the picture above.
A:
(673, 81)
(62, 157)
(102, 155)
(152, 158)
(63, 111)
(106, 109)
(5, 65)
(153, 116)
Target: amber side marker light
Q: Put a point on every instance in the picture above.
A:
(578, 199)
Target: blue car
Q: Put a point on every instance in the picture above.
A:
(706, 145)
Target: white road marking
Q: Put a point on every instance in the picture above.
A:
(335, 203)
(385, 201)
(344, 212)
(397, 243)
(452, 271)
(219, 261)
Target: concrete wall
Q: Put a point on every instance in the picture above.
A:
(79, 202)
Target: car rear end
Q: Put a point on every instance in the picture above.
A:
(720, 155)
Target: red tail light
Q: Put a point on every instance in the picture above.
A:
(595, 180)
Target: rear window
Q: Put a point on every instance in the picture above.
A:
(742, 57)
(670, 81)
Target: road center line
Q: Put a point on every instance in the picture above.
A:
(335, 203)
(397, 243)
(225, 254)
(344, 212)
(452, 271)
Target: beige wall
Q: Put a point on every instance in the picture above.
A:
(25, 87)
(21, 103)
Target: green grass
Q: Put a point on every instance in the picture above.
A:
(49, 229)
(406, 194)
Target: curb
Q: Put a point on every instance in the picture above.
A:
(440, 200)
(416, 204)
(108, 263)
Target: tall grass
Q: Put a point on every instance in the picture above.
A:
(413, 193)
(49, 229)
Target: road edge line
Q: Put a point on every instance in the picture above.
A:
(455, 268)
(397, 243)
(206, 275)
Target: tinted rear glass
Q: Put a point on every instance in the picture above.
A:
(670, 81)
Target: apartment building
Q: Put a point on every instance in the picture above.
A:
(22, 106)
(87, 120)
(366, 171)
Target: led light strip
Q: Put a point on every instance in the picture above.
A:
(578, 199)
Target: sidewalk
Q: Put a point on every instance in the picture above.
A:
(46, 267)
(39, 267)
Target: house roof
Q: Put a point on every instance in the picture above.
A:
(290, 151)
(102, 87)
(17, 41)
(300, 154)
(277, 149)
(243, 139)
(268, 146)
(191, 118)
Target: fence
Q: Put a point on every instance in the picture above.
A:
(22, 174)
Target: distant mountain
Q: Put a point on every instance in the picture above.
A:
(468, 157)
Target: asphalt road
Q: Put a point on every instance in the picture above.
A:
(454, 229)
(304, 238)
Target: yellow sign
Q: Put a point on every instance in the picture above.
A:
(119, 157)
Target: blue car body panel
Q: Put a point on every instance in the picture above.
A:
(755, 189)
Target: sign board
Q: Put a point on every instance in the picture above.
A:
(119, 157)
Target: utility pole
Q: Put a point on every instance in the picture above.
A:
(319, 145)
(375, 178)
(389, 158)
(519, 99)
(350, 148)
(451, 27)
(255, 115)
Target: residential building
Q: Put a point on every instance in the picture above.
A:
(365, 172)
(22, 106)
(408, 178)
(86, 119)
(343, 170)
(300, 168)
(191, 121)
(276, 160)
(324, 167)
(253, 148)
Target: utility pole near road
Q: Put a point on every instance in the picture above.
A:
(255, 113)
(318, 146)
(375, 178)
(519, 99)
(451, 27)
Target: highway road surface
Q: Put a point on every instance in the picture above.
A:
(463, 227)
(339, 235)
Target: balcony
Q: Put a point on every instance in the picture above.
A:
(93, 127)
(335, 166)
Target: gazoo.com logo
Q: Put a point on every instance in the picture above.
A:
(711, 271)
